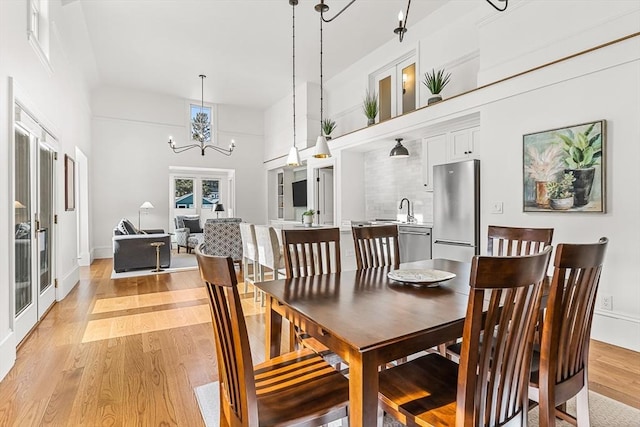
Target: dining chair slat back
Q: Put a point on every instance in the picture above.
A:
(376, 246)
(489, 386)
(309, 252)
(295, 388)
(515, 241)
(561, 372)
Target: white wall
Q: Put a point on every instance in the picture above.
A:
(130, 134)
(60, 99)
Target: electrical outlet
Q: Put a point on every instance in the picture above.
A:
(496, 208)
(606, 302)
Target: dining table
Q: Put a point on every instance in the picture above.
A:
(369, 319)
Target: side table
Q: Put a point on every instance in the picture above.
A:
(157, 246)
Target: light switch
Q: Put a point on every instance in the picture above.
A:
(496, 208)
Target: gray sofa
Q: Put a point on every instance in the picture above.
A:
(134, 251)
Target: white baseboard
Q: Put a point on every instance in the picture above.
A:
(617, 329)
(7, 354)
(103, 252)
(67, 283)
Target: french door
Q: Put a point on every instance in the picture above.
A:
(34, 213)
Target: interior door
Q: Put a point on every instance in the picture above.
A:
(325, 196)
(34, 238)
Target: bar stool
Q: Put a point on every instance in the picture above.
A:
(249, 256)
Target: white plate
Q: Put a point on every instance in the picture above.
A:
(425, 277)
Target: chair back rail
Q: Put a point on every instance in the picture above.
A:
(515, 241)
(308, 252)
(376, 246)
(566, 330)
(494, 372)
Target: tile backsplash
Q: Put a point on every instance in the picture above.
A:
(388, 180)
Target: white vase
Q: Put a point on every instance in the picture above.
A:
(307, 220)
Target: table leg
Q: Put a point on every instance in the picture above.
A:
(363, 391)
(273, 326)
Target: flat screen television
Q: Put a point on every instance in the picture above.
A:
(300, 193)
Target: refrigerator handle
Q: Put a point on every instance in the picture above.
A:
(446, 242)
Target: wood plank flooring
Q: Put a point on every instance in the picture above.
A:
(129, 352)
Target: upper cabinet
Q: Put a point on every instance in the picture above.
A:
(449, 147)
(464, 144)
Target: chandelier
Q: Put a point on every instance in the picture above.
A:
(201, 131)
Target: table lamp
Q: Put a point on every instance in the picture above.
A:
(145, 206)
(219, 208)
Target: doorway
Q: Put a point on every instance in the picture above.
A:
(34, 184)
(324, 194)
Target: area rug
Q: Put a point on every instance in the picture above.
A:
(179, 262)
(605, 412)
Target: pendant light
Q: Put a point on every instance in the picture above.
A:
(322, 148)
(399, 151)
(294, 156)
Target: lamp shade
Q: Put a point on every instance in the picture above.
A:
(399, 150)
(294, 157)
(146, 205)
(219, 207)
(18, 205)
(322, 148)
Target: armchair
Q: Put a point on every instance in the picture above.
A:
(188, 232)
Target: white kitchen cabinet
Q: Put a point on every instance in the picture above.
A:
(434, 152)
(449, 147)
(463, 145)
(284, 196)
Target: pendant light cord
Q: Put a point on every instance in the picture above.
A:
(293, 9)
(321, 88)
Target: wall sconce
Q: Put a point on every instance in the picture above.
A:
(402, 23)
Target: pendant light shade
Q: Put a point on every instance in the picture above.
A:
(399, 151)
(322, 148)
(294, 157)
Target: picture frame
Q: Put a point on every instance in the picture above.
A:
(564, 169)
(69, 184)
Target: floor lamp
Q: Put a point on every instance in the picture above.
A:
(145, 206)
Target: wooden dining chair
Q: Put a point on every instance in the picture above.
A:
(308, 252)
(507, 241)
(559, 368)
(295, 388)
(489, 386)
(515, 241)
(376, 246)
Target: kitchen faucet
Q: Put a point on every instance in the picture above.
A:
(410, 217)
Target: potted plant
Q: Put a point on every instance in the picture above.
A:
(543, 166)
(435, 81)
(370, 107)
(328, 126)
(307, 217)
(583, 152)
(561, 192)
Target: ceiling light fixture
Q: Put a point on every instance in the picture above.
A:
(402, 23)
(506, 3)
(201, 131)
(322, 8)
(294, 156)
(399, 151)
(322, 148)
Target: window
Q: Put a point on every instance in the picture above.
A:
(210, 193)
(395, 84)
(200, 123)
(38, 29)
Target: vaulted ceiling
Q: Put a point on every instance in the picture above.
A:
(243, 46)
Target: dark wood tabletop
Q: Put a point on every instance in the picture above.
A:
(369, 319)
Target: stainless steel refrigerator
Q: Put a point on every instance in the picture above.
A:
(456, 210)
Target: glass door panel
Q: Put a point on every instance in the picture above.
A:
(45, 213)
(408, 88)
(385, 99)
(22, 224)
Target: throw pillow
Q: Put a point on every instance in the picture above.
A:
(181, 218)
(193, 224)
(121, 228)
(125, 227)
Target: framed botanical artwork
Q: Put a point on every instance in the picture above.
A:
(69, 184)
(563, 169)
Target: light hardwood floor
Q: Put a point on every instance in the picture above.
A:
(129, 352)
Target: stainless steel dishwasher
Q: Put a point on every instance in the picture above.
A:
(415, 242)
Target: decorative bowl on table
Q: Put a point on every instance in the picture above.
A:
(420, 277)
